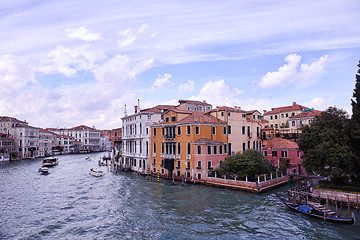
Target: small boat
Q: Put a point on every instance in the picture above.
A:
(313, 212)
(87, 158)
(49, 162)
(96, 172)
(43, 170)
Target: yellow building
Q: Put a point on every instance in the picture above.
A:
(188, 144)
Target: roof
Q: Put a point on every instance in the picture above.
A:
(82, 127)
(6, 118)
(252, 111)
(307, 114)
(207, 141)
(280, 143)
(45, 131)
(293, 107)
(194, 102)
(200, 118)
(226, 108)
(158, 108)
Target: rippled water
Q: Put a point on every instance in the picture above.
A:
(70, 204)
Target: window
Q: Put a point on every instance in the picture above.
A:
(167, 119)
(199, 164)
(248, 145)
(179, 148)
(162, 171)
(154, 162)
(276, 126)
(162, 163)
(197, 130)
(225, 148)
(224, 130)
(286, 115)
(178, 164)
(229, 129)
(282, 115)
(209, 150)
(209, 165)
(215, 149)
(244, 115)
(213, 130)
(293, 123)
(275, 116)
(199, 149)
(147, 131)
(178, 173)
(220, 149)
(154, 170)
(147, 147)
(265, 153)
(228, 114)
(154, 132)
(271, 117)
(284, 154)
(274, 153)
(162, 131)
(230, 149)
(188, 148)
(222, 114)
(221, 163)
(243, 129)
(298, 153)
(179, 130)
(188, 167)
(162, 147)
(248, 131)
(173, 119)
(154, 147)
(188, 130)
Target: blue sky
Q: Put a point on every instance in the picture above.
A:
(66, 63)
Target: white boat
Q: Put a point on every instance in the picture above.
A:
(87, 158)
(4, 158)
(96, 172)
(50, 161)
(43, 170)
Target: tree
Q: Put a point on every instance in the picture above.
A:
(284, 164)
(355, 121)
(326, 146)
(250, 163)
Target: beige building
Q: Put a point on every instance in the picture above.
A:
(243, 128)
(278, 117)
(47, 141)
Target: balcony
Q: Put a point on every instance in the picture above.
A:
(178, 156)
(154, 154)
(198, 167)
(169, 137)
(188, 156)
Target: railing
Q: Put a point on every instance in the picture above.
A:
(188, 156)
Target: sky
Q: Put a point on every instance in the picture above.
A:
(67, 63)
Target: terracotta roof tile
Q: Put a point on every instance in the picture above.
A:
(280, 143)
(286, 109)
(306, 114)
(200, 118)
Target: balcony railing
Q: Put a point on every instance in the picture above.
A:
(188, 156)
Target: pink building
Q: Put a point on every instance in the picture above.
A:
(208, 155)
(277, 148)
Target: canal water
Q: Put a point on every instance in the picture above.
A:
(68, 203)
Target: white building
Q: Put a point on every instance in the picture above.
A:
(66, 143)
(89, 137)
(136, 136)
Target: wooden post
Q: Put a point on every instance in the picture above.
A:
(246, 178)
(215, 175)
(173, 177)
(264, 177)
(325, 213)
(258, 179)
(182, 180)
(336, 212)
(348, 206)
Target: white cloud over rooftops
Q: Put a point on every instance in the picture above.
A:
(289, 72)
(82, 33)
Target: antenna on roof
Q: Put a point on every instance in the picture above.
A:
(125, 114)
(139, 105)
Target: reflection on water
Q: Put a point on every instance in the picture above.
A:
(70, 204)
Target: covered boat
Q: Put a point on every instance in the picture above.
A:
(313, 212)
(49, 162)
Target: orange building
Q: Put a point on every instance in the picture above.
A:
(187, 144)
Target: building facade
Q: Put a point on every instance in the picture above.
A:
(47, 142)
(179, 144)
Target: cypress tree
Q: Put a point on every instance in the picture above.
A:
(355, 121)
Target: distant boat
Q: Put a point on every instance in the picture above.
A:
(87, 158)
(4, 158)
(96, 172)
(43, 170)
(49, 162)
(313, 212)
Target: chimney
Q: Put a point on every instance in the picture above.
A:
(294, 103)
(136, 108)
(139, 105)
(201, 118)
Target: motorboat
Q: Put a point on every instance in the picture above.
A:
(87, 158)
(43, 170)
(50, 161)
(96, 172)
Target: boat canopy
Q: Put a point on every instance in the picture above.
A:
(304, 208)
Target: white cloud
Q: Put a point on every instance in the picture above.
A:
(83, 34)
(289, 72)
(15, 73)
(161, 81)
(143, 28)
(284, 75)
(186, 87)
(69, 61)
(319, 103)
(126, 38)
(309, 72)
